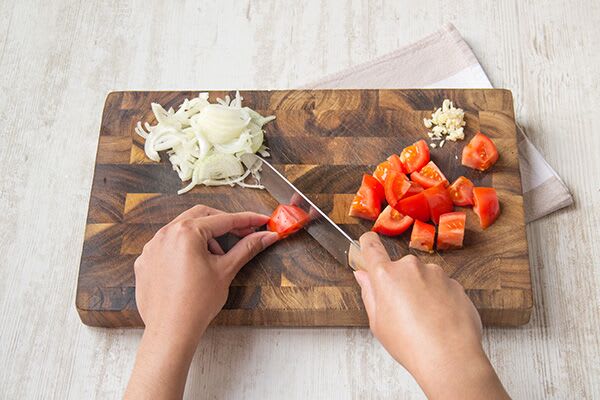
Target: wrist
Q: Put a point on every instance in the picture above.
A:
(466, 374)
(177, 336)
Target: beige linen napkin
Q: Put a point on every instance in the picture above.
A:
(417, 66)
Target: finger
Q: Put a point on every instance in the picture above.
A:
(366, 292)
(218, 225)
(198, 211)
(296, 200)
(243, 232)
(372, 250)
(214, 247)
(247, 248)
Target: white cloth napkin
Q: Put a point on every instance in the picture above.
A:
(417, 66)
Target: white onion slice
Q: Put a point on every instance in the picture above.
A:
(204, 141)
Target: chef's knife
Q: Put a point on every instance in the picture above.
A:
(329, 235)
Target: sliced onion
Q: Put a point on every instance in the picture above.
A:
(221, 124)
(204, 141)
(242, 145)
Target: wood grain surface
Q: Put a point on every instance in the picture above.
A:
(323, 141)
(59, 59)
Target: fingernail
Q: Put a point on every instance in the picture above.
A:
(269, 238)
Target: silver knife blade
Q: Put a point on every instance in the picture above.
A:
(329, 235)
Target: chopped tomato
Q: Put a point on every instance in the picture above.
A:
(451, 230)
(391, 222)
(414, 206)
(396, 185)
(485, 205)
(422, 236)
(391, 164)
(415, 156)
(381, 172)
(367, 202)
(428, 176)
(439, 201)
(395, 162)
(461, 192)
(414, 189)
(287, 219)
(481, 153)
(374, 185)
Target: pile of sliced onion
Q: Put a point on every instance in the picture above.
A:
(204, 141)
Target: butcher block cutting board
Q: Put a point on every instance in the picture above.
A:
(323, 141)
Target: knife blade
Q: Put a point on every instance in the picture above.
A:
(329, 235)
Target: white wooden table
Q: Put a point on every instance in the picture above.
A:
(59, 59)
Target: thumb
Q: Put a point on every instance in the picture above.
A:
(246, 249)
(366, 292)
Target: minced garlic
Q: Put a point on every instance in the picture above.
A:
(446, 123)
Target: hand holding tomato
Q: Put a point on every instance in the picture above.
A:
(182, 279)
(427, 323)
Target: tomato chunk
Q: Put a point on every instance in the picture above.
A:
(485, 205)
(367, 202)
(451, 230)
(392, 223)
(287, 219)
(439, 201)
(396, 186)
(395, 162)
(461, 191)
(391, 164)
(428, 176)
(374, 185)
(414, 189)
(422, 236)
(481, 153)
(414, 206)
(415, 156)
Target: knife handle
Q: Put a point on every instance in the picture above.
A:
(355, 259)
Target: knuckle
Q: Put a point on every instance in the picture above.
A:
(162, 232)
(435, 267)
(411, 259)
(254, 246)
(183, 227)
(456, 284)
(382, 271)
(138, 263)
(200, 208)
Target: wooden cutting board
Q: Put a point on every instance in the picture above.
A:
(323, 141)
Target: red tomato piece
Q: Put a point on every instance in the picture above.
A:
(422, 236)
(414, 206)
(481, 153)
(394, 160)
(373, 184)
(381, 172)
(415, 188)
(391, 164)
(367, 202)
(396, 186)
(485, 205)
(461, 192)
(451, 230)
(439, 201)
(287, 219)
(391, 222)
(428, 176)
(415, 156)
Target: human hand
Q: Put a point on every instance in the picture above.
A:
(182, 281)
(183, 274)
(427, 323)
